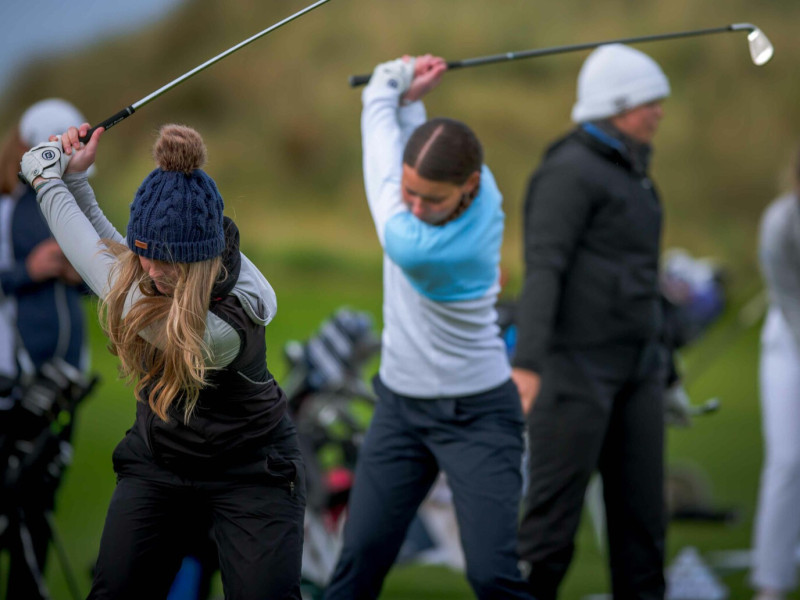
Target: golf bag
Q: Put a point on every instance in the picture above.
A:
(331, 407)
(35, 449)
(694, 296)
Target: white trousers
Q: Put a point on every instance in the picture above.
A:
(777, 525)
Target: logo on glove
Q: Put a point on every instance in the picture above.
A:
(49, 155)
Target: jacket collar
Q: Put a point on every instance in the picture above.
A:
(603, 137)
(231, 262)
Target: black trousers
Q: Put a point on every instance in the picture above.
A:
(156, 515)
(598, 409)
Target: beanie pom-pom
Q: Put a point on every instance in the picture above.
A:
(179, 148)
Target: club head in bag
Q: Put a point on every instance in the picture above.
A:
(708, 407)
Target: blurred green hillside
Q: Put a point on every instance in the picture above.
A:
(282, 124)
(282, 127)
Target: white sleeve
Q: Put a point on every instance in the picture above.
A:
(76, 236)
(78, 185)
(411, 116)
(779, 254)
(385, 129)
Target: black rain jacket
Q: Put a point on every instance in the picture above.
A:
(592, 241)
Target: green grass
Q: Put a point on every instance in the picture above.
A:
(311, 284)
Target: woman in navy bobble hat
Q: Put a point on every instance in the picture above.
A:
(185, 313)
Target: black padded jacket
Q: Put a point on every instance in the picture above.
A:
(592, 239)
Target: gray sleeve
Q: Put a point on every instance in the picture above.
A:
(255, 293)
(78, 185)
(221, 339)
(779, 256)
(77, 237)
(81, 244)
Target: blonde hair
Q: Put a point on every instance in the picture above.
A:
(171, 366)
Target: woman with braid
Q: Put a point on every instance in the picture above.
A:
(446, 400)
(185, 313)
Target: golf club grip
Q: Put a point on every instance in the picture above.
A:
(358, 80)
(109, 122)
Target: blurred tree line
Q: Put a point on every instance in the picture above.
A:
(282, 125)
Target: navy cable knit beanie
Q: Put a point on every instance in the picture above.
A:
(176, 214)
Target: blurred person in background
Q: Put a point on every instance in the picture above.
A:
(41, 317)
(445, 398)
(185, 312)
(589, 363)
(777, 524)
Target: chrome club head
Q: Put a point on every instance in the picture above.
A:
(761, 49)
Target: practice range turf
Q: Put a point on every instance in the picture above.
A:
(724, 447)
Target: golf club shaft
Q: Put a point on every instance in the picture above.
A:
(128, 111)
(357, 80)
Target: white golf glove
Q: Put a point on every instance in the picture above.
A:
(396, 74)
(46, 160)
(677, 406)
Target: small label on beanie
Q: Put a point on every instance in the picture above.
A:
(140, 244)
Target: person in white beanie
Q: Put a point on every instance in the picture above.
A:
(41, 319)
(589, 362)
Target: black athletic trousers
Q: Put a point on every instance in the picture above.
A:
(155, 517)
(598, 409)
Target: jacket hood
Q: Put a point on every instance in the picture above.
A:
(244, 280)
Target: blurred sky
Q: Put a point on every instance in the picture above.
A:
(32, 28)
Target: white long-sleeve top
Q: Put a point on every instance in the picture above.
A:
(440, 283)
(779, 255)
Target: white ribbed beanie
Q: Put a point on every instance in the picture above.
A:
(615, 78)
(45, 118)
